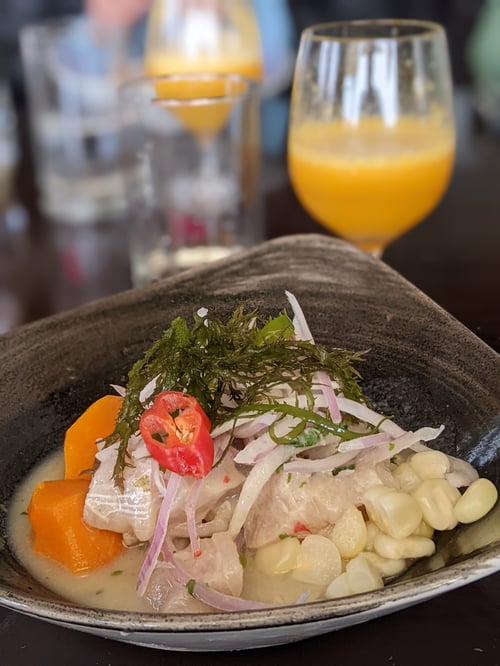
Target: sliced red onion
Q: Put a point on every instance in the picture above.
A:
(220, 444)
(255, 450)
(364, 413)
(384, 452)
(327, 464)
(205, 594)
(191, 502)
(246, 425)
(159, 534)
(256, 425)
(304, 333)
(331, 398)
(364, 442)
(260, 473)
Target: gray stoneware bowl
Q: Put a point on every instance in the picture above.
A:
(424, 368)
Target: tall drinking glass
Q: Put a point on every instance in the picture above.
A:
(371, 139)
(193, 191)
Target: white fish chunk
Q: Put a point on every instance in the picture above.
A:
(134, 510)
(312, 500)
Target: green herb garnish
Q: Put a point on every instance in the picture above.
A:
(190, 586)
(229, 367)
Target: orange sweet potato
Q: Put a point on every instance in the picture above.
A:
(59, 531)
(80, 447)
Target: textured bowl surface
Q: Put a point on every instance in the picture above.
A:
(423, 367)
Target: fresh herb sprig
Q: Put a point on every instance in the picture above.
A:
(228, 367)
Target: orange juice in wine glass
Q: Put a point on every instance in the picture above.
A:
(214, 36)
(371, 139)
(202, 102)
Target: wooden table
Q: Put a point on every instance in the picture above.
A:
(454, 257)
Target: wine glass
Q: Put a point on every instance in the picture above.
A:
(371, 140)
(213, 36)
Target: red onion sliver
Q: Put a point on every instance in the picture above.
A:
(327, 464)
(382, 452)
(364, 413)
(255, 450)
(191, 502)
(159, 534)
(364, 442)
(304, 333)
(260, 473)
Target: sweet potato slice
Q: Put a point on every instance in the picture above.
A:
(80, 446)
(59, 531)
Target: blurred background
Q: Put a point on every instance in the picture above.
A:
(46, 267)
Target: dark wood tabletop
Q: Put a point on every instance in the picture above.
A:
(453, 257)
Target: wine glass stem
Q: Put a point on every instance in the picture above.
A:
(209, 159)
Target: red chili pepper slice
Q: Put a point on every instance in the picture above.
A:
(176, 431)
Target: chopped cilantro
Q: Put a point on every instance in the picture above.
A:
(190, 586)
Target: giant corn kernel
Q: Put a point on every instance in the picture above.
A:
(371, 532)
(395, 512)
(339, 587)
(437, 499)
(349, 532)
(430, 464)
(318, 561)
(387, 568)
(410, 548)
(477, 500)
(424, 530)
(278, 558)
(362, 576)
(407, 477)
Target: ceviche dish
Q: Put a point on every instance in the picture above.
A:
(240, 467)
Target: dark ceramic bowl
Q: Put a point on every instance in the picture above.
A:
(424, 368)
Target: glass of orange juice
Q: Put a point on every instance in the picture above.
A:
(371, 139)
(217, 36)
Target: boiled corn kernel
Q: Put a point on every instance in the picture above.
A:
(362, 576)
(349, 532)
(437, 499)
(477, 500)
(386, 567)
(278, 558)
(430, 464)
(339, 587)
(371, 532)
(407, 477)
(424, 530)
(394, 512)
(318, 560)
(397, 549)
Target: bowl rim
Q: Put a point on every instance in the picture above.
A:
(397, 595)
(467, 569)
